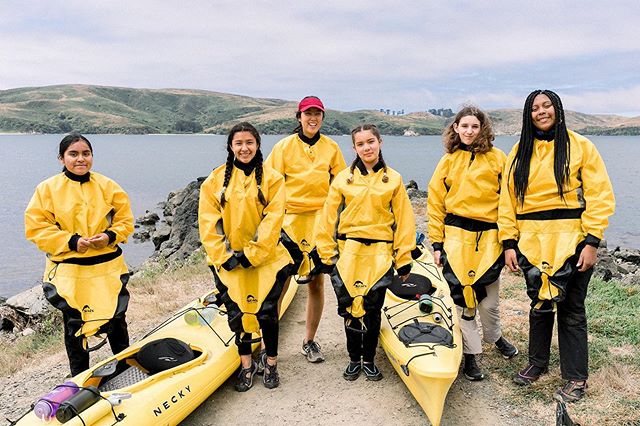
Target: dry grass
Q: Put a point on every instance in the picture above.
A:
(614, 384)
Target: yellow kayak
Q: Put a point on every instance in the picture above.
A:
(135, 397)
(421, 335)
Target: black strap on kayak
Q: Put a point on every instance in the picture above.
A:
(15, 422)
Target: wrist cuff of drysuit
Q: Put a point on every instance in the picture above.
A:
(437, 246)
(230, 263)
(592, 241)
(73, 242)
(244, 261)
(416, 253)
(404, 270)
(111, 235)
(509, 244)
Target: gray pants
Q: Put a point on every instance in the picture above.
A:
(489, 311)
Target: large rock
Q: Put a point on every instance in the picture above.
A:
(161, 234)
(628, 255)
(30, 302)
(149, 218)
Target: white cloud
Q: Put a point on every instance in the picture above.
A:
(362, 54)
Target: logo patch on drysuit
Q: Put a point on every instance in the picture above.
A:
(471, 273)
(305, 244)
(251, 299)
(546, 266)
(87, 309)
(359, 284)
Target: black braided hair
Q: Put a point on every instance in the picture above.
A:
(561, 159)
(373, 129)
(228, 167)
(259, 177)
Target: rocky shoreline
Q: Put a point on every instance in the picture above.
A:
(175, 237)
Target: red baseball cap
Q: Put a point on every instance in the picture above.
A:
(310, 102)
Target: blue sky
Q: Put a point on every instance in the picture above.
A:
(410, 55)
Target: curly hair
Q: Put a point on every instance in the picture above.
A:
(483, 142)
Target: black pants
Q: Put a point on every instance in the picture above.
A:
(270, 331)
(364, 345)
(117, 334)
(572, 331)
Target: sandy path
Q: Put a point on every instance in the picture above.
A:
(312, 394)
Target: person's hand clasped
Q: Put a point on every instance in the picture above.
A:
(97, 242)
(511, 260)
(588, 258)
(83, 245)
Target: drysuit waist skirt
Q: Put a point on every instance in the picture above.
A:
(548, 250)
(248, 288)
(95, 290)
(360, 267)
(300, 227)
(472, 258)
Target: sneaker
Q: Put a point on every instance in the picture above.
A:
(371, 371)
(507, 350)
(470, 369)
(271, 378)
(572, 391)
(352, 371)
(312, 351)
(245, 377)
(529, 374)
(262, 360)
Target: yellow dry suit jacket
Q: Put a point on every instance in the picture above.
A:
(308, 169)
(550, 232)
(246, 226)
(462, 208)
(365, 228)
(89, 285)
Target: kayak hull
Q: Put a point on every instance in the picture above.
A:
(427, 369)
(167, 397)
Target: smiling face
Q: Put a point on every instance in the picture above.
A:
(78, 158)
(543, 113)
(367, 146)
(244, 146)
(311, 121)
(468, 129)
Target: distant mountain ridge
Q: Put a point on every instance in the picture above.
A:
(103, 109)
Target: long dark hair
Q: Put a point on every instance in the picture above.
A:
(562, 154)
(482, 143)
(373, 129)
(299, 114)
(228, 166)
(69, 140)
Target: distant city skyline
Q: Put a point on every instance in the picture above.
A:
(415, 55)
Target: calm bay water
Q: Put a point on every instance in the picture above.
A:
(149, 167)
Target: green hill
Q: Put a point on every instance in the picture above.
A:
(100, 109)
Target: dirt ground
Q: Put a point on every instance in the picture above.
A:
(309, 394)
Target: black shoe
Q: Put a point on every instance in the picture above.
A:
(245, 377)
(271, 378)
(371, 371)
(529, 374)
(262, 359)
(352, 371)
(507, 350)
(471, 370)
(572, 391)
